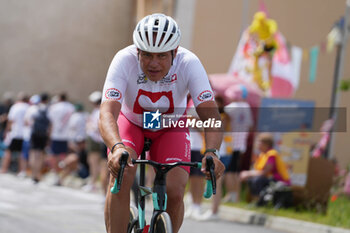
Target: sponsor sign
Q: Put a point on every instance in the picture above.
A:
(285, 115)
(295, 152)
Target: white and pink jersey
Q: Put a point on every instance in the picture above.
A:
(127, 84)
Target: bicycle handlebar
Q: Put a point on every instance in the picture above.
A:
(210, 187)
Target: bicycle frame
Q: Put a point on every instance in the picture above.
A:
(159, 195)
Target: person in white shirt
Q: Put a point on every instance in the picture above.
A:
(154, 74)
(76, 159)
(59, 114)
(241, 123)
(33, 101)
(14, 131)
(226, 150)
(77, 125)
(196, 179)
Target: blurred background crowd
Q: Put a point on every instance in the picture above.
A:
(43, 133)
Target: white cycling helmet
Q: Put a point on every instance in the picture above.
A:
(166, 30)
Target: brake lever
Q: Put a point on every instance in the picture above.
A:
(211, 169)
(211, 184)
(118, 181)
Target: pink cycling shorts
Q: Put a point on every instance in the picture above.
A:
(168, 145)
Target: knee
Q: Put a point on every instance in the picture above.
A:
(129, 173)
(175, 197)
(128, 179)
(176, 194)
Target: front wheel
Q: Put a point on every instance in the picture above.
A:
(133, 220)
(163, 224)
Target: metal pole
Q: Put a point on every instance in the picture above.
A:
(338, 73)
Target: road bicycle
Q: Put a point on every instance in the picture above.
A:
(160, 220)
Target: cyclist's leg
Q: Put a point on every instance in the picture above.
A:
(174, 146)
(118, 204)
(176, 183)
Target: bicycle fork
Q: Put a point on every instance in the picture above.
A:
(159, 198)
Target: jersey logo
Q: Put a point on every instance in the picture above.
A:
(169, 79)
(142, 79)
(205, 96)
(148, 101)
(113, 94)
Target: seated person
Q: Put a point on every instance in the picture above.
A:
(75, 162)
(269, 167)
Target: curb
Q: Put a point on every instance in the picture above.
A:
(273, 222)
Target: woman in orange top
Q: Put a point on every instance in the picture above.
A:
(268, 167)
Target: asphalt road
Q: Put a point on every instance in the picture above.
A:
(29, 208)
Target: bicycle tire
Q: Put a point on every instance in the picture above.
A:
(163, 224)
(133, 220)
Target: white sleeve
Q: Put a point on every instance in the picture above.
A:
(116, 80)
(198, 81)
(50, 114)
(11, 114)
(28, 115)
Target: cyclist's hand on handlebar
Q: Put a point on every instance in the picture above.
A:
(114, 161)
(219, 166)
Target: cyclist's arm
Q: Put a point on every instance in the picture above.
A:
(213, 137)
(109, 112)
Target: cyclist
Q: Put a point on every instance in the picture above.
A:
(154, 74)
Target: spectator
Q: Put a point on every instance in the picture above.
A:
(269, 167)
(40, 131)
(74, 162)
(77, 127)
(196, 180)
(14, 131)
(4, 110)
(59, 114)
(241, 122)
(226, 157)
(77, 158)
(97, 151)
(33, 101)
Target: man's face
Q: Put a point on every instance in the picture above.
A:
(155, 65)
